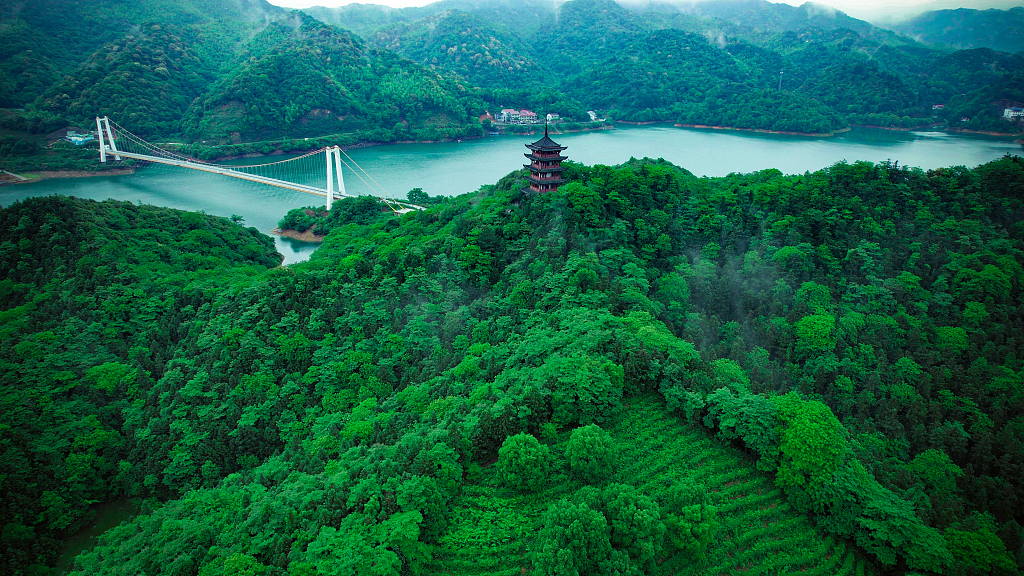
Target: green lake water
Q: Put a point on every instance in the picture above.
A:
(454, 168)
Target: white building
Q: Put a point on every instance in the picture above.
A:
(509, 116)
(1013, 113)
(593, 115)
(527, 116)
(78, 139)
(553, 117)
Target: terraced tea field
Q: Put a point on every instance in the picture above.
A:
(493, 528)
(760, 533)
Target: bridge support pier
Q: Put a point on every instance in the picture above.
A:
(333, 158)
(337, 166)
(103, 126)
(99, 134)
(329, 157)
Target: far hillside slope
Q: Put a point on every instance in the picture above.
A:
(44, 40)
(966, 28)
(775, 17)
(483, 53)
(166, 76)
(365, 19)
(317, 79)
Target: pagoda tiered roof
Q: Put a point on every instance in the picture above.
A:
(546, 144)
(545, 169)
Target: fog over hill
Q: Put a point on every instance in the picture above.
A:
(965, 28)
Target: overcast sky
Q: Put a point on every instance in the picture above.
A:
(866, 9)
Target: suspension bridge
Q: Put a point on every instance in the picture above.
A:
(312, 173)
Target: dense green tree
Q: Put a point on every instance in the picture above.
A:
(573, 540)
(977, 549)
(523, 462)
(592, 454)
(813, 442)
(690, 520)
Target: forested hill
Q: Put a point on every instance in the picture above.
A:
(663, 374)
(317, 79)
(221, 71)
(835, 70)
(484, 53)
(966, 28)
(44, 40)
(230, 72)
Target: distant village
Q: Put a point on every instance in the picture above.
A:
(524, 116)
(1012, 111)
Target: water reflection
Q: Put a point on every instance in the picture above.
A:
(294, 250)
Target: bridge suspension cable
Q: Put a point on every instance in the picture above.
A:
(306, 173)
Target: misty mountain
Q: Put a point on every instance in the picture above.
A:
(965, 28)
(770, 17)
(242, 70)
(223, 71)
(483, 53)
(364, 19)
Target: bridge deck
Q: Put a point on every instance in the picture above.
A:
(228, 172)
(403, 207)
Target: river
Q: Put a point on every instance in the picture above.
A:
(454, 168)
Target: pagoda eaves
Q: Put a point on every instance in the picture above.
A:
(545, 164)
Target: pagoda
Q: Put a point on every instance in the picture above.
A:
(545, 164)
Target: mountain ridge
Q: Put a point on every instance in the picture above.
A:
(966, 28)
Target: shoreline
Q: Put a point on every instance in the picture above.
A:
(763, 131)
(307, 236)
(894, 129)
(984, 132)
(38, 175)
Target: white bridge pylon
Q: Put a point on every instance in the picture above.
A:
(332, 156)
